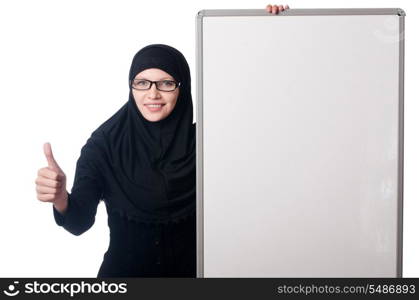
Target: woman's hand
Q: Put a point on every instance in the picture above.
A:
(276, 8)
(51, 182)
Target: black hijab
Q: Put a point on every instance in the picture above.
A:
(148, 168)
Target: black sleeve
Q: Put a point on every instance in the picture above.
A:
(85, 194)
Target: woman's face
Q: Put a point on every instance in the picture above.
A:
(144, 98)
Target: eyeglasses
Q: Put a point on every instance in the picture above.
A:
(163, 85)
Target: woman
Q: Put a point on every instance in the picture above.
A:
(141, 163)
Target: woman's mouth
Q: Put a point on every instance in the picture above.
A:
(154, 107)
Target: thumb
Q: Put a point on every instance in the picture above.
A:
(50, 157)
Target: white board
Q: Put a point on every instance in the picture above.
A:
(300, 143)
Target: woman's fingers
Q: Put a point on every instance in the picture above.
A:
(48, 190)
(40, 189)
(47, 182)
(276, 8)
(50, 184)
(50, 174)
(46, 197)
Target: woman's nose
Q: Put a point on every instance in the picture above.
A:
(153, 92)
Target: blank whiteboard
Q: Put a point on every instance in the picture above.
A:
(300, 143)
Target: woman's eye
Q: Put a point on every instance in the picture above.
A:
(142, 82)
(168, 83)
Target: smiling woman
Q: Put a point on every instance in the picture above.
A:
(155, 93)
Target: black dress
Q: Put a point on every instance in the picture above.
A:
(136, 248)
(139, 249)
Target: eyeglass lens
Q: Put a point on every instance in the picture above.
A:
(164, 85)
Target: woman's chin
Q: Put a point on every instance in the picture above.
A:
(154, 117)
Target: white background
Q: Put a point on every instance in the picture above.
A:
(64, 70)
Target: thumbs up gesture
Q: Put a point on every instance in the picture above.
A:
(51, 182)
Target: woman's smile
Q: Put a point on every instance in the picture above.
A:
(154, 104)
(154, 107)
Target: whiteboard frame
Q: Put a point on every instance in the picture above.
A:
(199, 108)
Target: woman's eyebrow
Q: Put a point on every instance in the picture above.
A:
(164, 78)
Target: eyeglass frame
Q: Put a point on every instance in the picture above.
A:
(155, 83)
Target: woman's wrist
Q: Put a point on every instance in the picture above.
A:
(61, 205)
